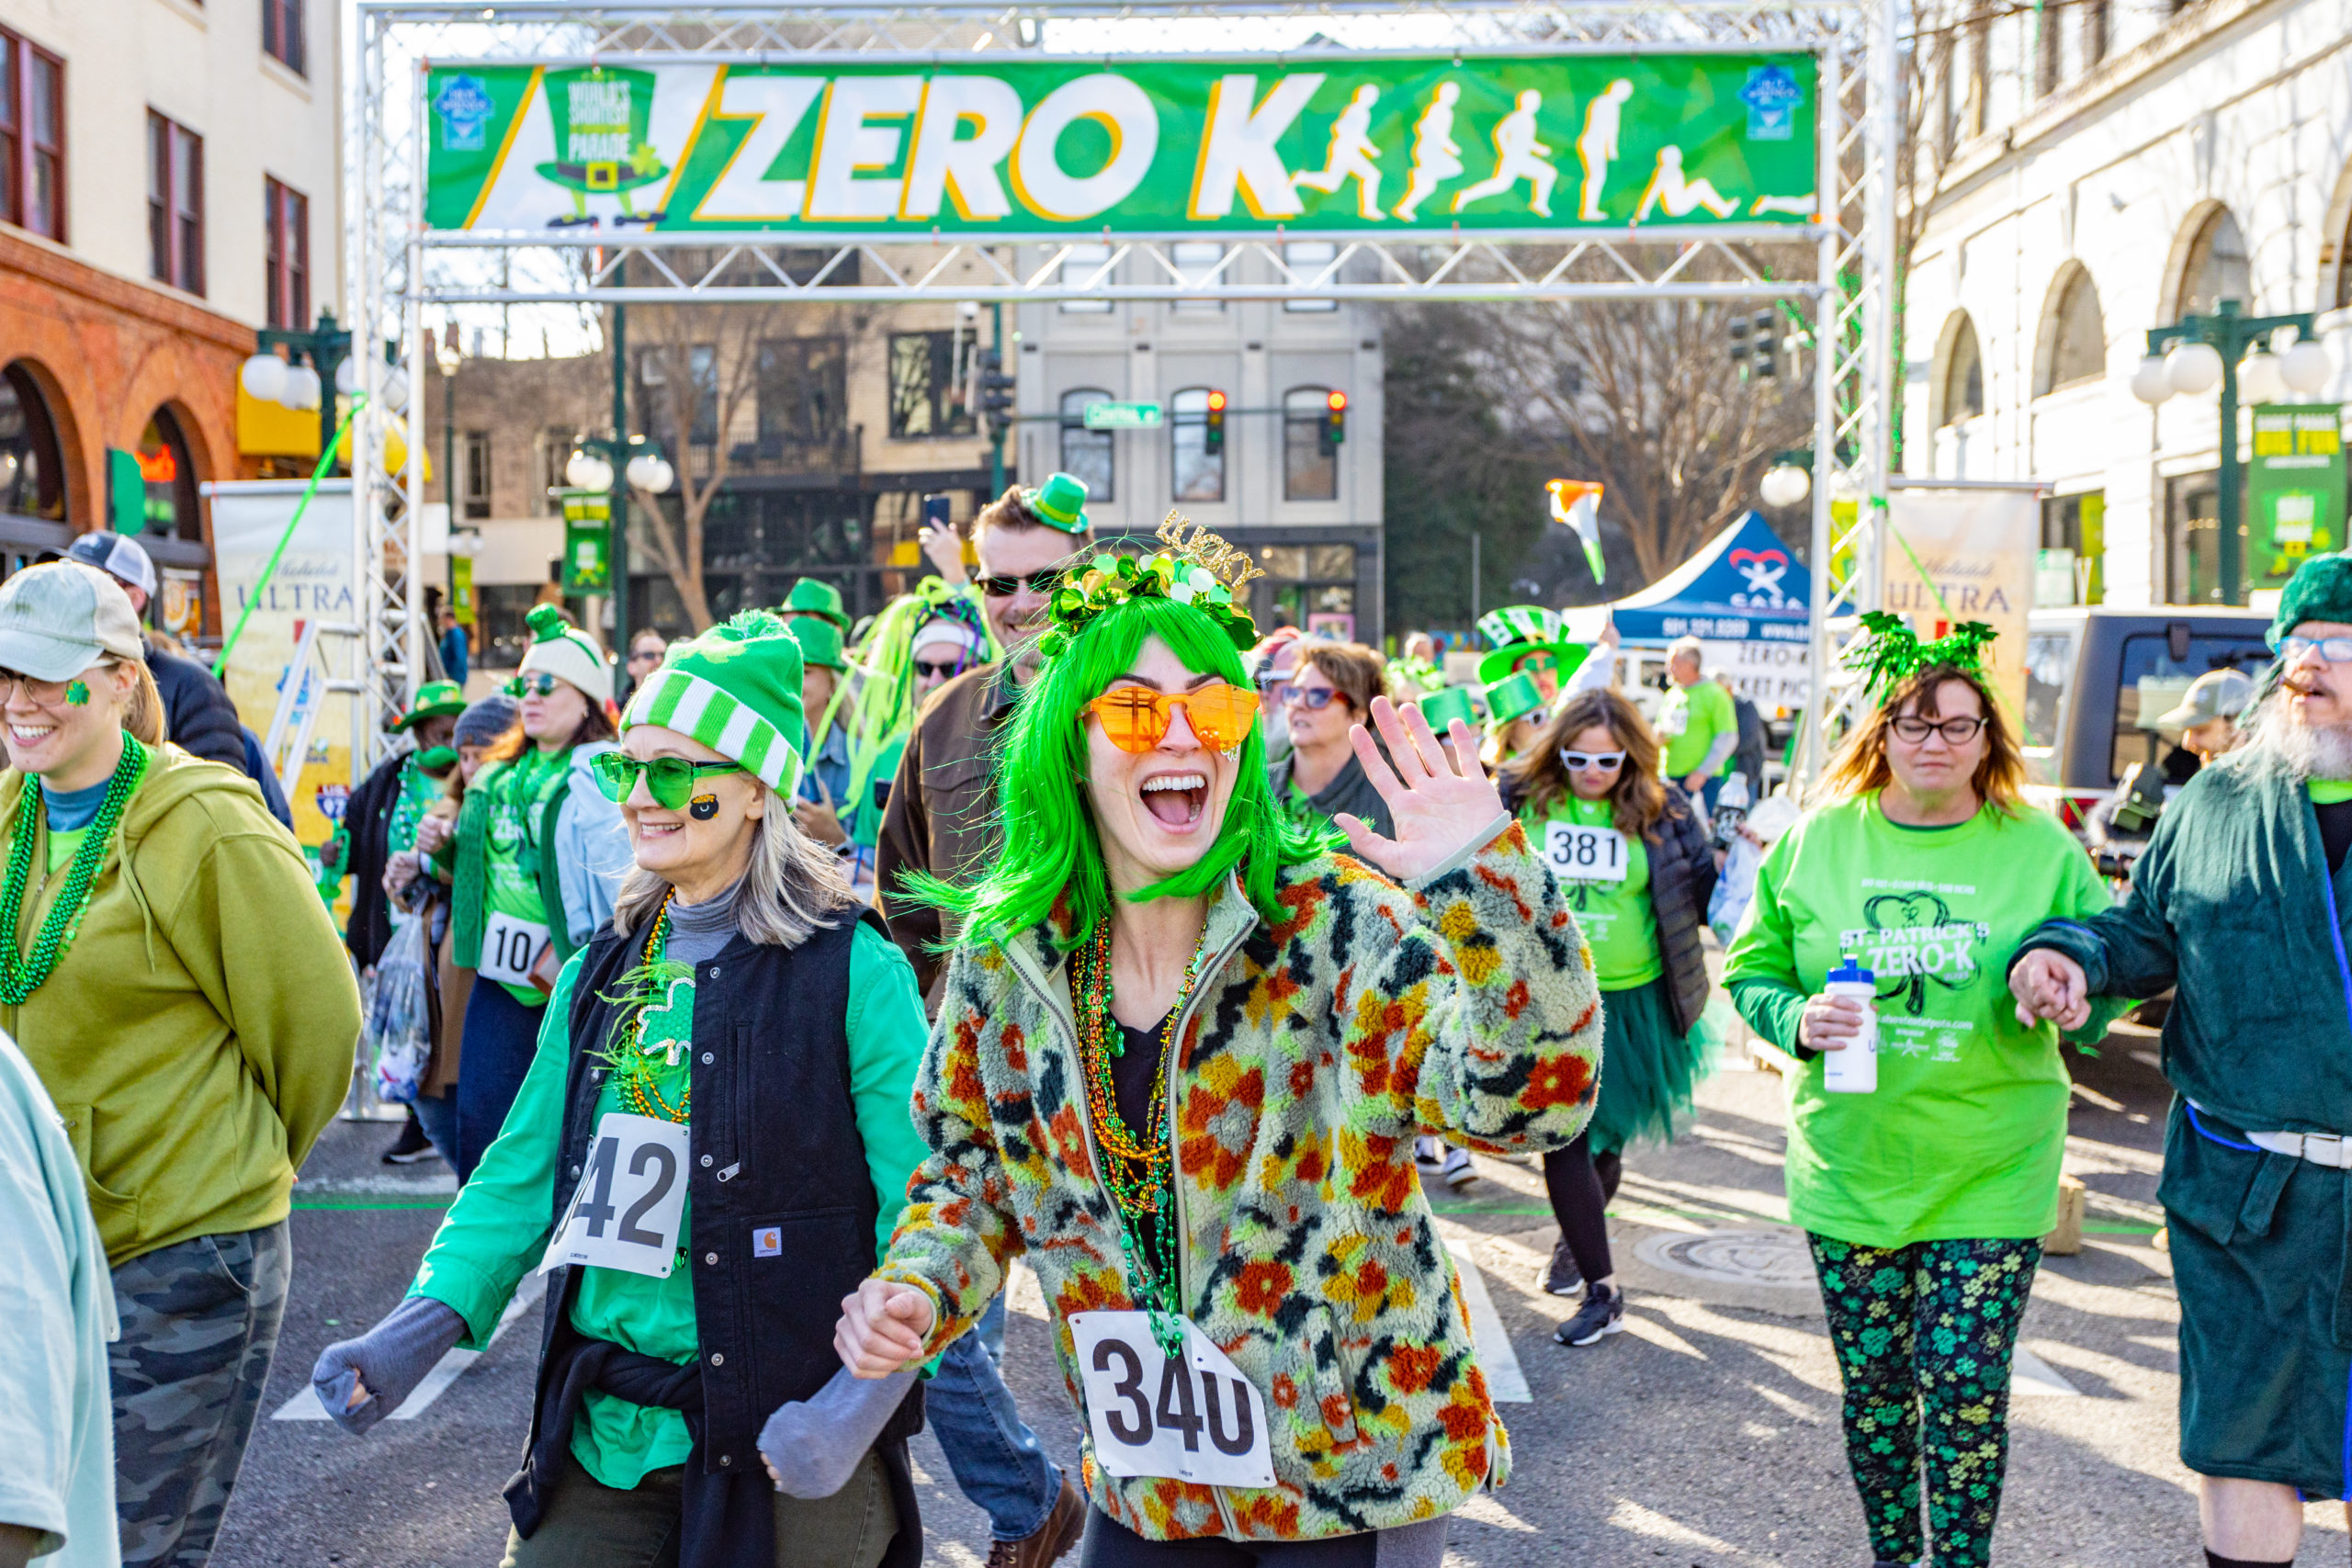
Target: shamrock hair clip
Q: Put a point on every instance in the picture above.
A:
(1890, 652)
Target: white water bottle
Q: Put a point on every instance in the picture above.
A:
(1853, 1070)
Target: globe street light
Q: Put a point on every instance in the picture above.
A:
(1785, 484)
(651, 472)
(263, 379)
(2260, 381)
(585, 471)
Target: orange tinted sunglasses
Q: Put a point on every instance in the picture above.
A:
(1136, 718)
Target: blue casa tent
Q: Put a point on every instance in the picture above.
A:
(1744, 586)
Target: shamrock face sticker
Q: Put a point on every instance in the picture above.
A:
(1914, 941)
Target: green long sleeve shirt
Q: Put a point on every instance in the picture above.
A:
(498, 1229)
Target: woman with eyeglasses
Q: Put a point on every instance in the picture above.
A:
(1633, 863)
(173, 978)
(1180, 1060)
(711, 1148)
(1327, 700)
(1924, 1200)
(533, 868)
(920, 642)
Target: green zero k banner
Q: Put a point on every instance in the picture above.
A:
(2294, 488)
(1150, 146)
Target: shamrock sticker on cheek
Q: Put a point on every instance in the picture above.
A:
(77, 692)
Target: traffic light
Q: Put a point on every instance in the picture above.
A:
(1212, 435)
(1767, 348)
(1738, 334)
(996, 390)
(1335, 423)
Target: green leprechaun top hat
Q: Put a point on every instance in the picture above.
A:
(1518, 630)
(1514, 697)
(813, 596)
(601, 117)
(1059, 502)
(434, 699)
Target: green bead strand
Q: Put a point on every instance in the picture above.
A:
(21, 976)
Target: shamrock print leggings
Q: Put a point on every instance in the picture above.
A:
(1924, 1334)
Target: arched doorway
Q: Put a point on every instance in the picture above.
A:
(32, 461)
(169, 471)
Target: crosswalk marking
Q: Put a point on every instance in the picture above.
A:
(305, 1406)
(1505, 1384)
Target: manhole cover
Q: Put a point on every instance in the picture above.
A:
(1732, 1257)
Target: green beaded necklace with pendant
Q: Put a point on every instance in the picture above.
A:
(657, 987)
(21, 974)
(1139, 1167)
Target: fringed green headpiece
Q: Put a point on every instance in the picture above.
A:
(1199, 569)
(1890, 652)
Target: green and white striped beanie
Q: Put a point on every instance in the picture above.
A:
(735, 689)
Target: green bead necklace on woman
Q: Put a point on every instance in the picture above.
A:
(21, 976)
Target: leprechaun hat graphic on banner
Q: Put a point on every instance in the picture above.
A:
(601, 117)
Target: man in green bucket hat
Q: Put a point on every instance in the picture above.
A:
(814, 596)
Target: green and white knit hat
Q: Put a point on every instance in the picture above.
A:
(735, 689)
(566, 652)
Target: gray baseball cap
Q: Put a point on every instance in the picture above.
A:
(124, 559)
(60, 618)
(2217, 693)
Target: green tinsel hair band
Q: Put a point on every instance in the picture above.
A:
(1201, 571)
(1890, 652)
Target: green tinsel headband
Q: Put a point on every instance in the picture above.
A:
(1890, 652)
(1199, 569)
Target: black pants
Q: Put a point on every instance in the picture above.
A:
(1580, 1185)
(1110, 1544)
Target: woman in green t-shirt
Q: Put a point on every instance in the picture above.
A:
(1633, 863)
(1924, 1200)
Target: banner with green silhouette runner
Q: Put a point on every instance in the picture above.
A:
(1003, 146)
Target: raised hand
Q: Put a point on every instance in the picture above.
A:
(944, 548)
(1437, 805)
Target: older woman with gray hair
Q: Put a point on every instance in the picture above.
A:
(701, 1241)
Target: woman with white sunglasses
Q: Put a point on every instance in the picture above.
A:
(1633, 865)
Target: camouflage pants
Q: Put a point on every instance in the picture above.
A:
(200, 1323)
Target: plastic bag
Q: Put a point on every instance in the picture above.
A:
(1735, 888)
(400, 1025)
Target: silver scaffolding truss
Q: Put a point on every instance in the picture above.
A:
(1848, 301)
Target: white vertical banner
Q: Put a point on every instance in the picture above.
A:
(1967, 555)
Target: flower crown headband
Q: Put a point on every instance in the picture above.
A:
(1196, 568)
(1890, 652)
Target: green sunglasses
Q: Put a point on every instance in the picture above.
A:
(521, 686)
(669, 779)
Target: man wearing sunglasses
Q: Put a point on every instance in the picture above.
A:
(941, 819)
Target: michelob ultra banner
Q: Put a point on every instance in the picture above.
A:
(1153, 145)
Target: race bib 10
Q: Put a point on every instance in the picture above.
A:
(1194, 1418)
(510, 947)
(1580, 853)
(631, 1197)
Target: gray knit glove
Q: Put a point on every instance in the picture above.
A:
(812, 1445)
(388, 1361)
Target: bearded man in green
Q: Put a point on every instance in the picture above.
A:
(2240, 904)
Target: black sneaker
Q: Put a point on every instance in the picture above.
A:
(1562, 1279)
(1603, 1312)
(413, 1146)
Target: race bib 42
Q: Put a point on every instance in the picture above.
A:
(631, 1197)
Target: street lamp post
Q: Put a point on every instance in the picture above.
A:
(326, 346)
(2196, 355)
(618, 465)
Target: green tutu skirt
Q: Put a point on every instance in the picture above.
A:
(1648, 1072)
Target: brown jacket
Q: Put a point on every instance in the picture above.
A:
(942, 815)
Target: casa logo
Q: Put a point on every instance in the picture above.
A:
(464, 108)
(1763, 570)
(1771, 97)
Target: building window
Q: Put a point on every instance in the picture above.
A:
(1198, 262)
(2193, 539)
(1976, 106)
(1307, 259)
(2047, 37)
(2078, 345)
(1079, 263)
(1198, 473)
(929, 384)
(2098, 30)
(1086, 454)
(1963, 387)
(32, 464)
(175, 203)
(286, 214)
(702, 364)
(169, 479)
(32, 137)
(2217, 269)
(556, 448)
(281, 32)
(803, 392)
(476, 487)
(1309, 472)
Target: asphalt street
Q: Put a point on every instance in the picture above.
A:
(1707, 1433)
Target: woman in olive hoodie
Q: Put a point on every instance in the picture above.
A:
(193, 1057)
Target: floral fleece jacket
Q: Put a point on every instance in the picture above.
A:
(1313, 1050)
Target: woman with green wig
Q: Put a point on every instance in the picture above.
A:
(1180, 1060)
(920, 642)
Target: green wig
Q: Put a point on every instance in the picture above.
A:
(882, 709)
(1051, 864)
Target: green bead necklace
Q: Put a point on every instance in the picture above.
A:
(20, 978)
(1138, 1168)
